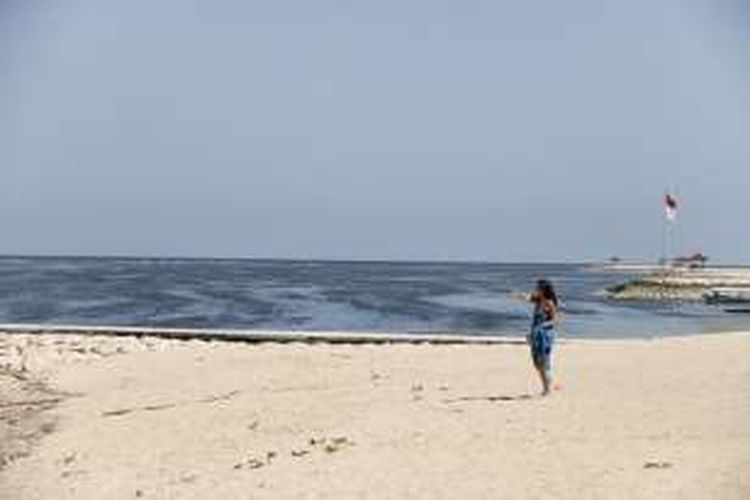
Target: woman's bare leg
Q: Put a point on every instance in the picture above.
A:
(543, 377)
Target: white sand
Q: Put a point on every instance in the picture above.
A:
(189, 419)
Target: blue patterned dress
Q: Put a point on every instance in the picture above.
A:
(541, 338)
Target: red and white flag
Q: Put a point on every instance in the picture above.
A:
(670, 206)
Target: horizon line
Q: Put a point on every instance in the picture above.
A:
(405, 260)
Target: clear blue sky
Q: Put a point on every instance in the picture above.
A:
(540, 130)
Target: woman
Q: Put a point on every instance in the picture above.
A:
(542, 334)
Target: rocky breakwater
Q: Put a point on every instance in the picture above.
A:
(680, 284)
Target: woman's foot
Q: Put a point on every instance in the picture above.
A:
(545, 388)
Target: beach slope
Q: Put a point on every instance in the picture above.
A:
(92, 417)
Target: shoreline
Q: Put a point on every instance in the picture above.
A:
(164, 418)
(261, 335)
(335, 337)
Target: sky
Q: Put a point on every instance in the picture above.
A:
(416, 130)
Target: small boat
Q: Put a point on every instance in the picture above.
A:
(727, 295)
(696, 260)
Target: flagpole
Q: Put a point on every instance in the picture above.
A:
(675, 227)
(670, 215)
(664, 233)
(664, 241)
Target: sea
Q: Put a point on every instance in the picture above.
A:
(309, 295)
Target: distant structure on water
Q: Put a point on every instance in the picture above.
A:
(695, 260)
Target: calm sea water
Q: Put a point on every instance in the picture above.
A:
(315, 295)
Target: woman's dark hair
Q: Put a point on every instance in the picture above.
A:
(547, 290)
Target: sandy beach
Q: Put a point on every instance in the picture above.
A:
(92, 417)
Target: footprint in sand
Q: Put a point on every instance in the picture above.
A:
(417, 392)
(657, 465)
(331, 445)
(69, 458)
(336, 444)
(327, 445)
(255, 462)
